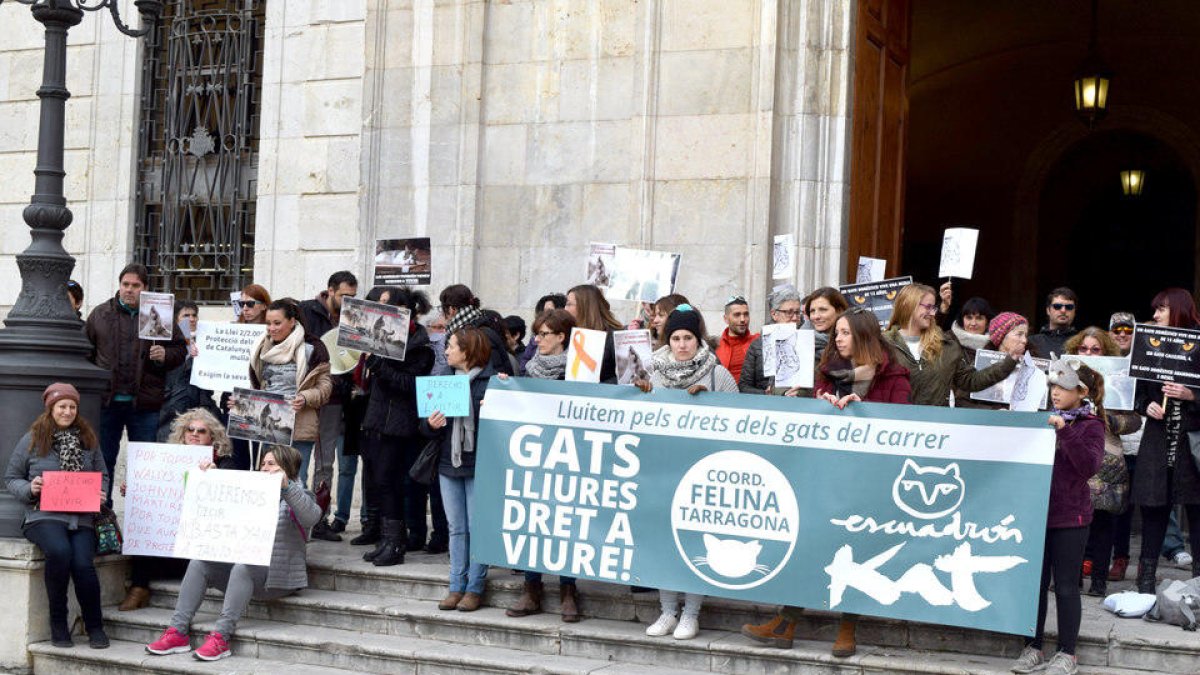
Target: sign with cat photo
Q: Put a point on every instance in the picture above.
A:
(788, 354)
(1027, 388)
(1163, 354)
(739, 497)
(877, 297)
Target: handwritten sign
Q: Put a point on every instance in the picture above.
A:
(71, 491)
(224, 350)
(154, 494)
(449, 394)
(228, 516)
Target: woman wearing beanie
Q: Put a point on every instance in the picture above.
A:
(1008, 332)
(61, 440)
(685, 362)
(934, 360)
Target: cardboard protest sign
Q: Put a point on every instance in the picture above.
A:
(1027, 388)
(642, 275)
(879, 297)
(447, 394)
(585, 354)
(783, 256)
(740, 496)
(1119, 387)
(600, 264)
(374, 327)
(403, 262)
(228, 516)
(223, 354)
(1163, 354)
(154, 495)
(261, 416)
(958, 252)
(870, 269)
(788, 355)
(634, 352)
(71, 491)
(156, 313)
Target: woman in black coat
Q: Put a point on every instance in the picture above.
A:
(1166, 474)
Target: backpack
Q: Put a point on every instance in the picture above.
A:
(1177, 603)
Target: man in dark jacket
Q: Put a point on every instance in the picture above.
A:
(138, 367)
(321, 315)
(1060, 311)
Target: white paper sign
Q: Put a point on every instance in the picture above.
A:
(958, 252)
(788, 354)
(870, 270)
(235, 299)
(1027, 388)
(154, 495)
(642, 275)
(633, 351)
(585, 353)
(1119, 387)
(223, 359)
(156, 315)
(229, 516)
(601, 264)
(783, 256)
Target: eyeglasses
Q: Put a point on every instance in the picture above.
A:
(544, 333)
(1123, 330)
(1090, 350)
(927, 308)
(791, 313)
(245, 303)
(197, 430)
(1060, 306)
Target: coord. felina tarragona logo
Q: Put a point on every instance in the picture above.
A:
(735, 518)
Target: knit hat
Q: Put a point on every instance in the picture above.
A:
(684, 318)
(57, 392)
(1002, 324)
(1121, 319)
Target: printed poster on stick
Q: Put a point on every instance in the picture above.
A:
(403, 262)
(154, 495)
(373, 327)
(878, 297)
(223, 354)
(720, 495)
(261, 416)
(1163, 354)
(958, 252)
(228, 516)
(156, 312)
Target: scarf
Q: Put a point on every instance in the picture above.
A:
(291, 350)
(467, 316)
(969, 340)
(550, 367)
(1073, 414)
(462, 429)
(847, 378)
(683, 374)
(70, 451)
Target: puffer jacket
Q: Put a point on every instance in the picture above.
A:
(315, 387)
(392, 401)
(298, 510)
(113, 329)
(24, 465)
(932, 382)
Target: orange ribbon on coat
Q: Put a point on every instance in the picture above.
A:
(578, 341)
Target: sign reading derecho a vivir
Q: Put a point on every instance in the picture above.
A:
(912, 512)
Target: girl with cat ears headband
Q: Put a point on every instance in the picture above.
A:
(1072, 374)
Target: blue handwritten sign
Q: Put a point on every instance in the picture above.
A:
(449, 394)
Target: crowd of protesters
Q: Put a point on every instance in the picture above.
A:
(924, 356)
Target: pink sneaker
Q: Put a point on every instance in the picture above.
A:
(170, 642)
(213, 649)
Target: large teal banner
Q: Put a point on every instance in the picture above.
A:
(912, 512)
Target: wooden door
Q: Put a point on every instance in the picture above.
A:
(879, 113)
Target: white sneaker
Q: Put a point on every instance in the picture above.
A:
(663, 626)
(687, 628)
(1183, 558)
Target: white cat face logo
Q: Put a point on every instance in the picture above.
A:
(928, 491)
(730, 557)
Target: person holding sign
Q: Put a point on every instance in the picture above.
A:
(61, 440)
(970, 328)
(785, 308)
(287, 573)
(686, 363)
(591, 311)
(469, 352)
(933, 359)
(1166, 472)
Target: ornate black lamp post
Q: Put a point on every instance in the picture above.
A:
(42, 340)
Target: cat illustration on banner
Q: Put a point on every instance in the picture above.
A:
(730, 557)
(928, 491)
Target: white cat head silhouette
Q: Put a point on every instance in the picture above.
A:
(928, 491)
(730, 557)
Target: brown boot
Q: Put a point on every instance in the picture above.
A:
(845, 645)
(470, 602)
(777, 632)
(530, 601)
(137, 598)
(450, 601)
(568, 597)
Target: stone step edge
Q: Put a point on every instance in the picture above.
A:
(132, 657)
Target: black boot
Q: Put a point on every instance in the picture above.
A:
(60, 633)
(1146, 582)
(370, 532)
(322, 531)
(380, 547)
(394, 538)
(1099, 585)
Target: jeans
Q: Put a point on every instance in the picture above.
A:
(69, 555)
(305, 449)
(1064, 558)
(347, 468)
(329, 441)
(1173, 540)
(458, 495)
(121, 417)
(240, 583)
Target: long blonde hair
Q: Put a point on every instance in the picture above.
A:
(906, 306)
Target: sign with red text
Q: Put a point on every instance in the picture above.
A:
(154, 494)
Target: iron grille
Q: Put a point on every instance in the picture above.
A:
(198, 148)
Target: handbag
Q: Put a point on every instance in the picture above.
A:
(108, 532)
(425, 468)
(1110, 485)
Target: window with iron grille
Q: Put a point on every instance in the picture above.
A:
(198, 148)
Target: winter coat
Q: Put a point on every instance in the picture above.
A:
(890, 384)
(1151, 486)
(931, 382)
(297, 509)
(752, 381)
(1049, 341)
(113, 332)
(181, 396)
(1078, 453)
(392, 387)
(25, 464)
(315, 387)
(444, 436)
(971, 343)
(314, 315)
(731, 351)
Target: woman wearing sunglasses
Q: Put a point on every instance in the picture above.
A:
(253, 304)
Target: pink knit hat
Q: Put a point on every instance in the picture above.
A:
(1002, 324)
(57, 392)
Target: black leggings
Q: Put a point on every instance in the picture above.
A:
(1154, 528)
(1100, 542)
(1064, 558)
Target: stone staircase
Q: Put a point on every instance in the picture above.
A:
(359, 618)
